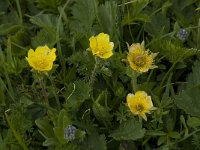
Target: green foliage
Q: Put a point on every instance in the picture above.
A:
(84, 65)
(188, 99)
(129, 130)
(174, 52)
(102, 114)
(136, 13)
(159, 25)
(84, 14)
(107, 15)
(96, 142)
(76, 94)
(81, 103)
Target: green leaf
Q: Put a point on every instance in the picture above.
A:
(155, 133)
(107, 16)
(62, 122)
(161, 140)
(129, 130)
(18, 42)
(2, 93)
(63, 119)
(76, 94)
(16, 134)
(180, 5)
(51, 5)
(9, 28)
(193, 79)
(174, 135)
(96, 142)
(188, 99)
(45, 127)
(44, 37)
(45, 20)
(174, 52)
(159, 25)
(50, 142)
(102, 114)
(35, 111)
(59, 133)
(135, 13)
(193, 122)
(83, 16)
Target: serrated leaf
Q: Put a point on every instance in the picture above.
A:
(159, 25)
(173, 52)
(83, 16)
(45, 21)
(129, 130)
(96, 142)
(77, 93)
(107, 16)
(193, 79)
(44, 37)
(188, 99)
(21, 38)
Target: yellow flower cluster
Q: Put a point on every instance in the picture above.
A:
(140, 103)
(42, 58)
(139, 59)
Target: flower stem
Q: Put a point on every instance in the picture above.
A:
(134, 81)
(44, 93)
(92, 77)
(54, 93)
(140, 119)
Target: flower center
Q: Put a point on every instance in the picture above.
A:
(139, 60)
(102, 50)
(139, 107)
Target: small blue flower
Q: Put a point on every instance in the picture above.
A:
(182, 34)
(69, 132)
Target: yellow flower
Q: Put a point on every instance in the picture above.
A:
(42, 58)
(139, 59)
(101, 45)
(140, 104)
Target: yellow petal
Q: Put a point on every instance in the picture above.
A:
(93, 44)
(140, 93)
(102, 38)
(107, 55)
(31, 53)
(52, 54)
